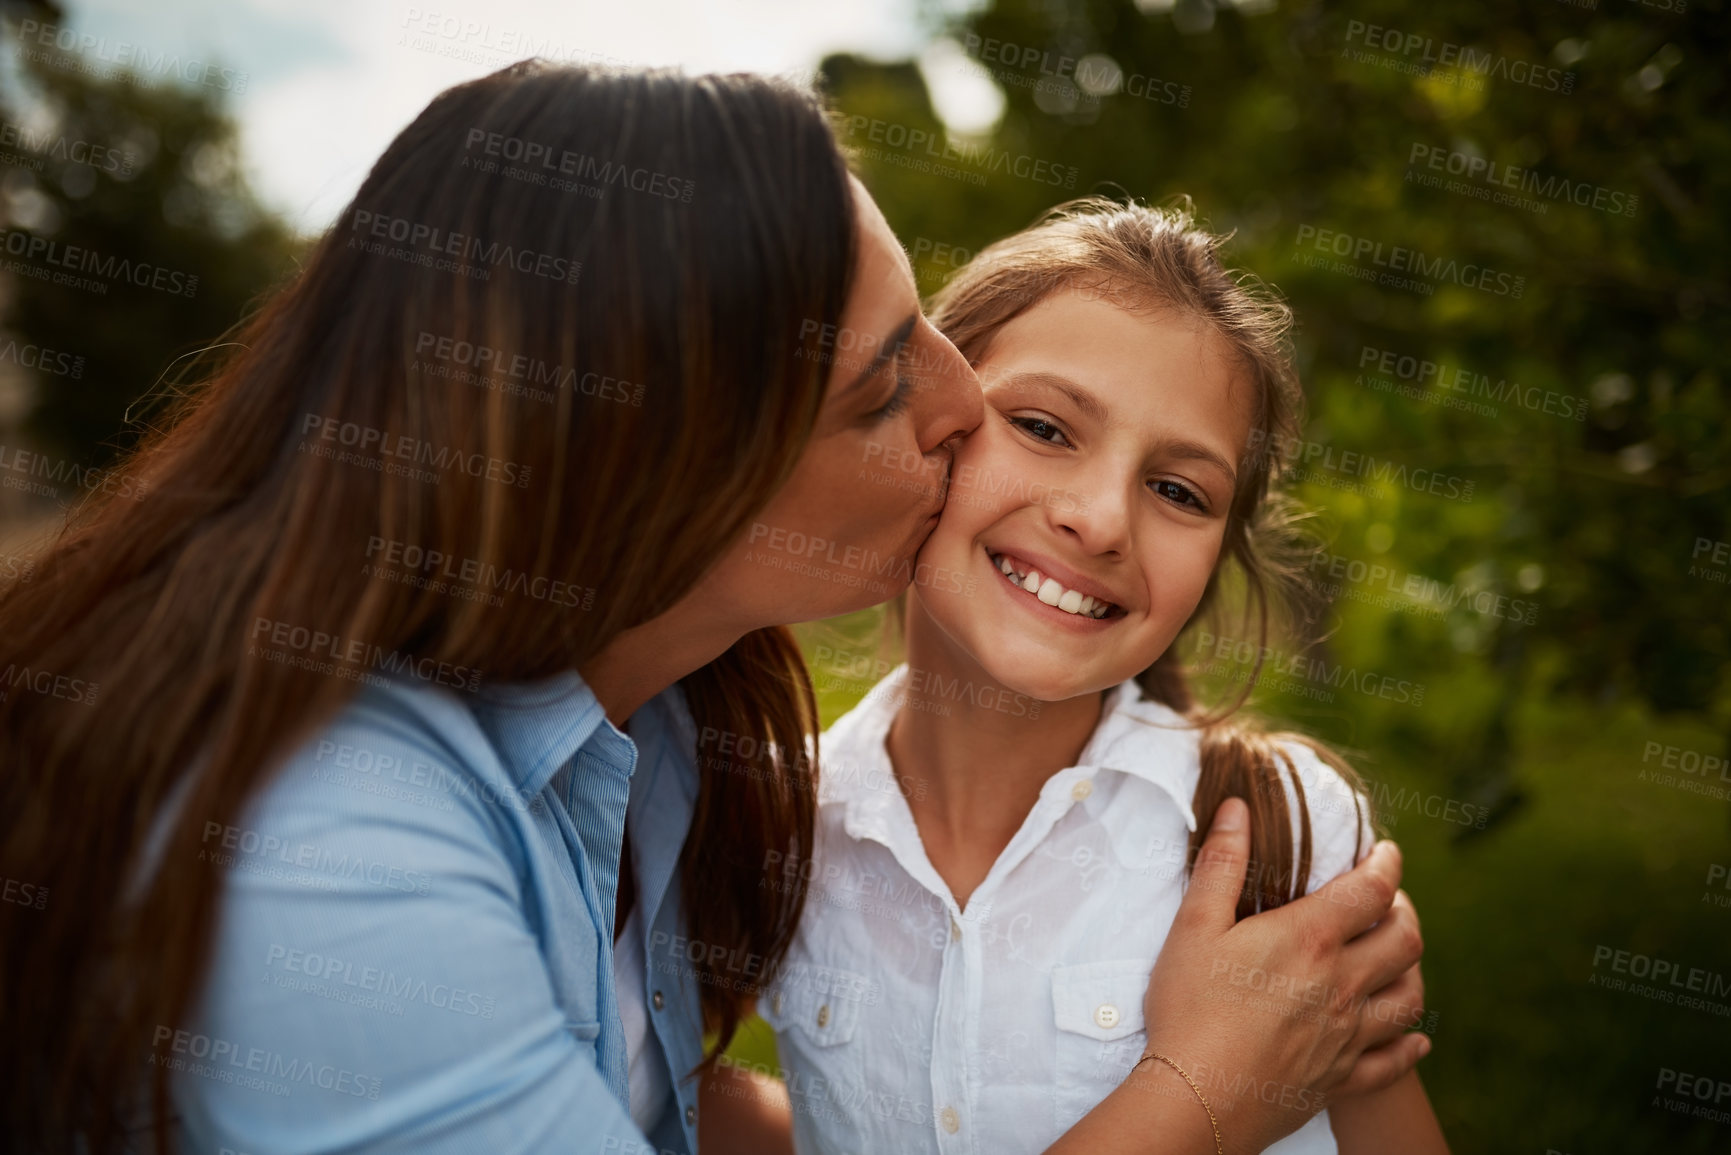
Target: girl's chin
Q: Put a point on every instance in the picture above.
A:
(1043, 674)
(1021, 667)
(1011, 673)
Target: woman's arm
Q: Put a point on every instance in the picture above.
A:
(376, 985)
(1397, 1118)
(1264, 1074)
(743, 1112)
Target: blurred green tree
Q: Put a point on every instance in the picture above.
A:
(164, 192)
(1569, 614)
(1600, 455)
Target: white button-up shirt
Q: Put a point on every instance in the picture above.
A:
(907, 1024)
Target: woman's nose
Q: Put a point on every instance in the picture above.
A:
(954, 404)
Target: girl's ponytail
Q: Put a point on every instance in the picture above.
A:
(1241, 759)
(1247, 762)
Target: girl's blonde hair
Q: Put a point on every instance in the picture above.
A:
(1149, 259)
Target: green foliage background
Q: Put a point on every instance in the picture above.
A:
(1540, 716)
(179, 203)
(1543, 722)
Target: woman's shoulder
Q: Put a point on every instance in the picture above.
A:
(384, 724)
(405, 762)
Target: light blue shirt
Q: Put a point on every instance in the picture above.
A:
(416, 937)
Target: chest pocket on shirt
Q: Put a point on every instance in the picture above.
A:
(816, 1013)
(1097, 1009)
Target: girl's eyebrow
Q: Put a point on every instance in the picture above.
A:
(1196, 451)
(1091, 406)
(1078, 396)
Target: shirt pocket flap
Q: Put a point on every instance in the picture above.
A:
(1101, 1000)
(823, 1002)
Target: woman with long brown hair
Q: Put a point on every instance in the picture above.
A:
(402, 767)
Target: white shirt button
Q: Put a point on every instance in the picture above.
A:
(1082, 789)
(658, 999)
(955, 931)
(949, 1120)
(775, 1003)
(823, 1016)
(1106, 1015)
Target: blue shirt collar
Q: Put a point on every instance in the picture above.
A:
(538, 726)
(664, 794)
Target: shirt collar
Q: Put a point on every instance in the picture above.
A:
(664, 795)
(537, 726)
(1145, 739)
(1136, 736)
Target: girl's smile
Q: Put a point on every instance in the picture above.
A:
(1055, 586)
(1096, 493)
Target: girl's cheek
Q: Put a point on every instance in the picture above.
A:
(982, 471)
(1186, 594)
(979, 445)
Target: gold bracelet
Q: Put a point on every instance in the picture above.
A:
(1219, 1148)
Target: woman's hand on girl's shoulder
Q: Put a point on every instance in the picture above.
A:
(1274, 1014)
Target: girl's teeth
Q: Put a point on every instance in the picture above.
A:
(1053, 594)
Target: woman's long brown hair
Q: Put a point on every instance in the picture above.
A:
(646, 391)
(1144, 258)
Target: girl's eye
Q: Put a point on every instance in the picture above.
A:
(1040, 430)
(1177, 491)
